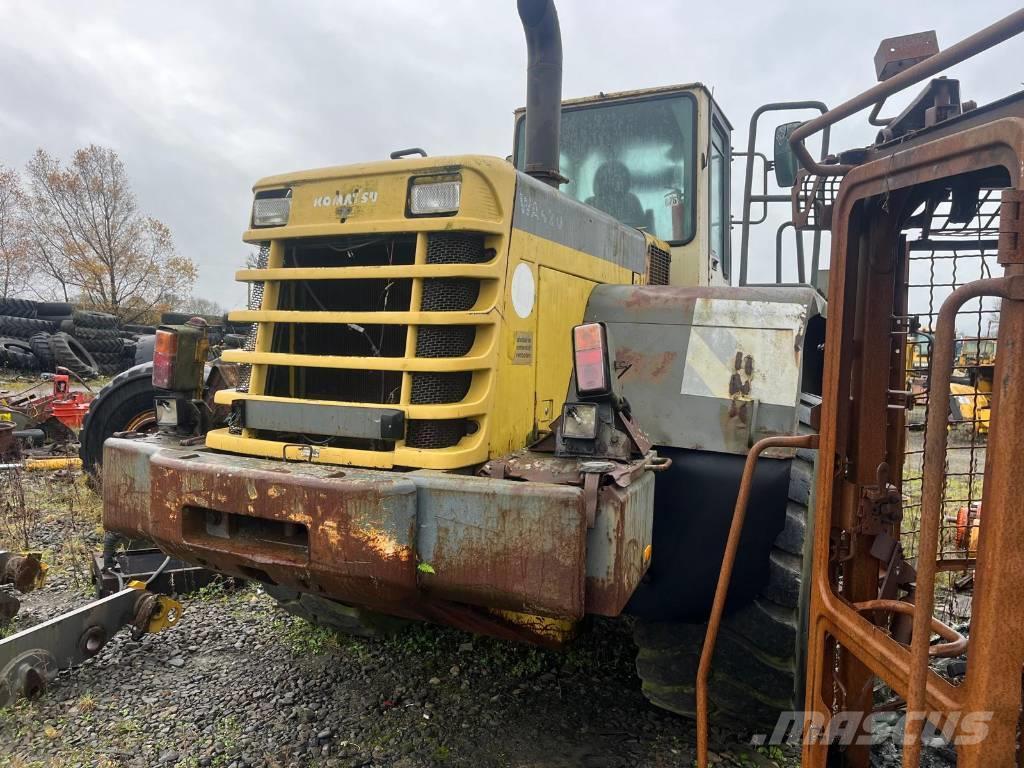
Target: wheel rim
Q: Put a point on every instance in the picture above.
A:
(143, 422)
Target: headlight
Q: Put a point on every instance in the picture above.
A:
(434, 195)
(271, 208)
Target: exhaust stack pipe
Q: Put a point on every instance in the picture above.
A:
(543, 89)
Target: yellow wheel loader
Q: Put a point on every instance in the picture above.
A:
(504, 395)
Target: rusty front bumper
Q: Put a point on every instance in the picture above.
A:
(416, 543)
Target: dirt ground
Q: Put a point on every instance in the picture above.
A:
(239, 683)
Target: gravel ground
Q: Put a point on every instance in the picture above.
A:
(240, 683)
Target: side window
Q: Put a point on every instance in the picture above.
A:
(719, 190)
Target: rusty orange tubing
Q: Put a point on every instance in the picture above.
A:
(932, 470)
(725, 576)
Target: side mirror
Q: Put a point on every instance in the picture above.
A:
(785, 160)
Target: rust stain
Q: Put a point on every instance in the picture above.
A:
(640, 365)
(383, 544)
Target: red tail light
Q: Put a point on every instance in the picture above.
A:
(165, 353)
(590, 354)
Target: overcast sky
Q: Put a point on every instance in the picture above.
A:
(202, 99)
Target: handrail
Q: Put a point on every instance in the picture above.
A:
(1010, 287)
(982, 40)
(725, 576)
(748, 179)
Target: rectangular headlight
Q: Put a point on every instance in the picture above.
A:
(431, 196)
(271, 208)
(579, 421)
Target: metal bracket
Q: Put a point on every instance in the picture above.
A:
(881, 506)
(32, 657)
(1011, 227)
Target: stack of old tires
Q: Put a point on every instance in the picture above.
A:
(26, 333)
(40, 336)
(100, 335)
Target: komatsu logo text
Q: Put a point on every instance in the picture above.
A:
(355, 197)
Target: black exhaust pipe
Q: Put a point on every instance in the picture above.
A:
(543, 89)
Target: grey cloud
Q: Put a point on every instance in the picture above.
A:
(201, 99)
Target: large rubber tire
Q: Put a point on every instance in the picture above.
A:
(758, 668)
(338, 617)
(83, 332)
(22, 327)
(17, 354)
(18, 307)
(40, 344)
(111, 345)
(144, 346)
(125, 404)
(67, 352)
(54, 309)
(83, 318)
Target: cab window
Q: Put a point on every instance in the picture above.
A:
(719, 191)
(634, 160)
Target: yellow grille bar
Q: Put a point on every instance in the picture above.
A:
(395, 272)
(475, 408)
(361, 318)
(471, 450)
(414, 364)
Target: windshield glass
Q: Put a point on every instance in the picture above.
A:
(632, 160)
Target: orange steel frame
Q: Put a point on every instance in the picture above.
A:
(847, 650)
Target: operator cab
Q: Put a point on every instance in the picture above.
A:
(657, 160)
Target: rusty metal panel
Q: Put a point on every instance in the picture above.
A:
(126, 486)
(359, 536)
(617, 545)
(360, 527)
(708, 368)
(502, 544)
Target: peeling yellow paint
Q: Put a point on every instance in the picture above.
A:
(384, 544)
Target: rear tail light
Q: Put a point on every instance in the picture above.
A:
(590, 357)
(165, 353)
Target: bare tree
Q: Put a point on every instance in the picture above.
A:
(16, 269)
(91, 239)
(197, 305)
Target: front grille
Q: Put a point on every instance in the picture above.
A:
(446, 295)
(457, 248)
(366, 293)
(353, 251)
(255, 302)
(659, 261)
(439, 388)
(434, 433)
(337, 385)
(347, 295)
(445, 341)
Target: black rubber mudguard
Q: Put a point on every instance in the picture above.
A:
(693, 507)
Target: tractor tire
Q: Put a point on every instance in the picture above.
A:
(124, 405)
(108, 345)
(83, 332)
(127, 355)
(18, 308)
(338, 617)
(54, 309)
(84, 318)
(17, 354)
(40, 343)
(22, 327)
(758, 667)
(144, 346)
(67, 352)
